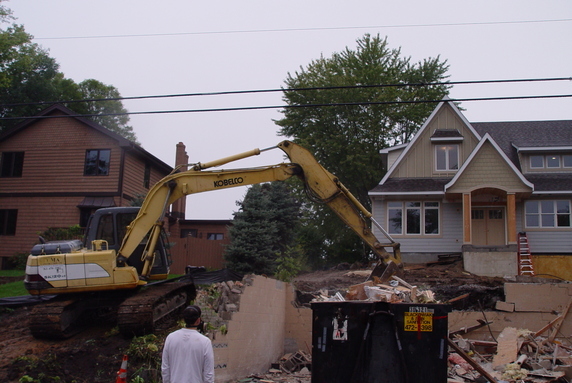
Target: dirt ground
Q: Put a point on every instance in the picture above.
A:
(95, 355)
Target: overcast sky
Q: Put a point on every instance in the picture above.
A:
(145, 47)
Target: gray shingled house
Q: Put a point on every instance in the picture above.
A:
(497, 193)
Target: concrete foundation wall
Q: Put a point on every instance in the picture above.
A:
(256, 332)
(490, 264)
(298, 326)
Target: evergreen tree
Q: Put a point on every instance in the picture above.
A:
(263, 229)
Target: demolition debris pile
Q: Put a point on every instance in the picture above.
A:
(516, 355)
(484, 351)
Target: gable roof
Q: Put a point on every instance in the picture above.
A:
(507, 138)
(446, 102)
(487, 138)
(121, 141)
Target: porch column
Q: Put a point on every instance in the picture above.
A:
(467, 218)
(511, 217)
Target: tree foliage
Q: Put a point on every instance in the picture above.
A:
(346, 139)
(29, 78)
(263, 229)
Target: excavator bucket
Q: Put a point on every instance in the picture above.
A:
(384, 271)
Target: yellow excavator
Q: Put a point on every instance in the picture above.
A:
(121, 269)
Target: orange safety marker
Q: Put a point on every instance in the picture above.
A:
(122, 373)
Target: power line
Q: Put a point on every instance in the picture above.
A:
(275, 30)
(273, 90)
(296, 106)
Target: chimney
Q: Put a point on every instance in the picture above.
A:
(181, 158)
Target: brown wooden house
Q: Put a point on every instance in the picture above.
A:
(56, 169)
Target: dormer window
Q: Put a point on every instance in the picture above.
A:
(446, 149)
(536, 162)
(550, 161)
(446, 157)
(567, 160)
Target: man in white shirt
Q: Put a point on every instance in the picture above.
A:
(187, 354)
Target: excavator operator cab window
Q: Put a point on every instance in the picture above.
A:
(105, 229)
(123, 220)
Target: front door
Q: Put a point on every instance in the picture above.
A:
(488, 226)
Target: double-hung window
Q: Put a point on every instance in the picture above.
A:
(413, 218)
(547, 213)
(11, 164)
(8, 219)
(446, 157)
(97, 162)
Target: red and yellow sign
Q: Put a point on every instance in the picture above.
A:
(418, 322)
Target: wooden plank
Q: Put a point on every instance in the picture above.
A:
(559, 323)
(507, 347)
(470, 360)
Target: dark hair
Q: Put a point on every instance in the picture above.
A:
(191, 314)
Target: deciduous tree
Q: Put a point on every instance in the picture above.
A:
(355, 115)
(29, 78)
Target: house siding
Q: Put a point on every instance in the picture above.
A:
(420, 161)
(134, 175)
(53, 165)
(35, 215)
(392, 157)
(545, 241)
(488, 169)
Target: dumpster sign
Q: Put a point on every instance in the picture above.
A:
(418, 321)
(340, 329)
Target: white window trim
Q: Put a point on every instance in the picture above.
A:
(403, 207)
(545, 161)
(447, 164)
(539, 215)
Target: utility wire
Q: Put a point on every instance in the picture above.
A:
(304, 29)
(295, 106)
(233, 92)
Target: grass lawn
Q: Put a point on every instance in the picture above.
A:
(12, 289)
(12, 273)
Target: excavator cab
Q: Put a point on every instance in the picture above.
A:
(110, 224)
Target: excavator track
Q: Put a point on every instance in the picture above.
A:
(58, 319)
(153, 305)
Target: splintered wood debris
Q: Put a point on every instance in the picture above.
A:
(516, 355)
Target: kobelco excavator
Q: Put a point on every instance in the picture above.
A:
(115, 271)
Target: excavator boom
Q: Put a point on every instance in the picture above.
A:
(320, 184)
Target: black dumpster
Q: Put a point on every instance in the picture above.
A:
(379, 342)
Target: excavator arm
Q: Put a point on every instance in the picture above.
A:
(320, 184)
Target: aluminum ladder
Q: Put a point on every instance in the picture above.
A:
(525, 266)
